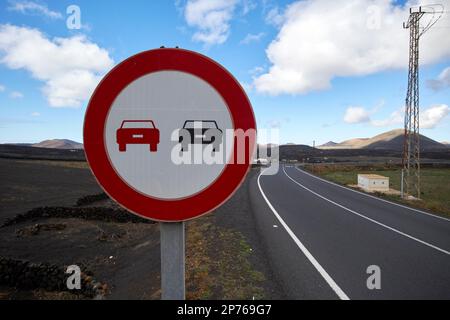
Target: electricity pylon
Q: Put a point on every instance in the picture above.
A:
(411, 144)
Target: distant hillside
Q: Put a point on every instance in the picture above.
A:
(28, 152)
(354, 143)
(391, 140)
(295, 151)
(58, 144)
(286, 151)
(328, 144)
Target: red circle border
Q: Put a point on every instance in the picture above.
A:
(102, 99)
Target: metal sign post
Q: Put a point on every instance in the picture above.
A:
(172, 260)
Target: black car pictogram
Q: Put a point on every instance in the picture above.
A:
(200, 132)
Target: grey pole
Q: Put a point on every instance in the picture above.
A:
(172, 260)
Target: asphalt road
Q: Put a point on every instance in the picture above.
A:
(321, 239)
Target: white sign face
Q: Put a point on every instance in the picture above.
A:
(143, 129)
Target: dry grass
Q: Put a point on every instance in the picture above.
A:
(217, 263)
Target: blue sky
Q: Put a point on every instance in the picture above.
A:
(311, 72)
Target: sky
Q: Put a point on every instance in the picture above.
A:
(315, 70)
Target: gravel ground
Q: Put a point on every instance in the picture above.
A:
(121, 254)
(29, 184)
(116, 253)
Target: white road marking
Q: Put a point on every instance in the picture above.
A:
(305, 251)
(367, 218)
(368, 195)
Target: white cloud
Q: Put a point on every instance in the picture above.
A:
(16, 95)
(211, 18)
(356, 115)
(30, 7)
(35, 114)
(274, 17)
(395, 118)
(69, 67)
(320, 40)
(252, 38)
(256, 70)
(430, 117)
(247, 6)
(2, 88)
(442, 82)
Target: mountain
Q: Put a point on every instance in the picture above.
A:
(447, 143)
(328, 144)
(390, 140)
(393, 140)
(354, 143)
(58, 144)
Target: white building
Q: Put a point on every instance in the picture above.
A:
(373, 182)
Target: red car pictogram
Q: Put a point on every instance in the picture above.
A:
(137, 132)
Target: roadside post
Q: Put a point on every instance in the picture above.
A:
(401, 184)
(169, 134)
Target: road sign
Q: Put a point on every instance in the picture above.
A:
(150, 118)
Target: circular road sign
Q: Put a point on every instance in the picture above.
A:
(160, 134)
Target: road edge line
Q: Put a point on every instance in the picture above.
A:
(369, 219)
(371, 196)
(334, 286)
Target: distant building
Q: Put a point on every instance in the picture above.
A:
(373, 182)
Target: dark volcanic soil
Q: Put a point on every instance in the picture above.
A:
(26, 184)
(224, 255)
(120, 255)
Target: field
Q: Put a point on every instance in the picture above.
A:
(27, 184)
(53, 214)
(435, 183)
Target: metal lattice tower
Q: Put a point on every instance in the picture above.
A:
(411, 144)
